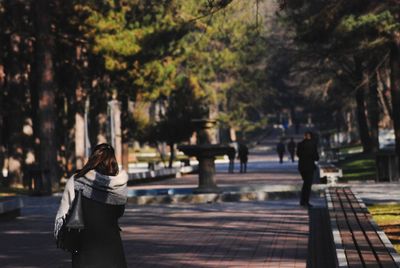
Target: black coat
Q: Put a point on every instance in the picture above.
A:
(243, 153)
(307, 154)
(280, 148)
(291, 147)
(101, 244)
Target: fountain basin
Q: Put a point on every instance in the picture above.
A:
(204, 150)
(205, 154)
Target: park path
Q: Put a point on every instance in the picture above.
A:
(263, 170)
(262, 234)
(248, 234)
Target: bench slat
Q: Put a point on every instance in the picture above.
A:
(364, 217)
(351, 251)
(361, 241)
(365, 250)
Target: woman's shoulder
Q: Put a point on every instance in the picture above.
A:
(122, 176)
(70, 182)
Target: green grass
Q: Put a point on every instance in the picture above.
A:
(388, 218)
(358, 167)
(350, 149)
(12, 191)
(359, 164)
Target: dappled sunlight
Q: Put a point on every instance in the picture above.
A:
(211, 238)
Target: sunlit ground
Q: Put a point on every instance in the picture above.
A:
(360, 167)
(388, 218)
(11, 191)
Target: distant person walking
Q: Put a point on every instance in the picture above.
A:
(280, 149)
(291, 146)
(104, 195)
(231, 156)
(297, 127)
(307, 154)
(243, 156)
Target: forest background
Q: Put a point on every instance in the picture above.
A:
(244, 63)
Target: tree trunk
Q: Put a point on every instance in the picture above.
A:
(2, 83)
(383, 93)
(373, 110)
(33, 112)
(15, 116)
(125, 156)
(125, 132)
(349, 126)
(172, 154)
(101, 120)
(80, 99)
(361, 116)
(15, 101)
(46, 92)
(122, 133)
(395, 88)
(79, 137)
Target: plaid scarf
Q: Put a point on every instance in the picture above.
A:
(102, 188)
(105, 189)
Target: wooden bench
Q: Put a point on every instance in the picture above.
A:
(330, 173)
(358, 240)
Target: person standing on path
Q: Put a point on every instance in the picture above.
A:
(280, 149)
(104, 195)
(231, 156)
(291, 148)
(307, 154)
(243, 156)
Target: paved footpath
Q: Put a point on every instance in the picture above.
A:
(247, 234)
(262, 234)
(263, 170)
(259, 234)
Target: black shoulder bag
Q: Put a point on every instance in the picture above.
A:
(69, 236)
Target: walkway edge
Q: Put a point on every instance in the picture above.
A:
(340, 253)
(219, 197)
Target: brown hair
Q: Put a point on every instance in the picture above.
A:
(102, 160)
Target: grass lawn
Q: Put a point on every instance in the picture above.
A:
(6, 191)
(388, 218)
(351, 149)
(358, 167)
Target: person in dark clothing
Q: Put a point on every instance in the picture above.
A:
(243, 156)
(280, 149)
(103, 203)
(297, 127)
(231, 156)
(307, 154)
(291, 148)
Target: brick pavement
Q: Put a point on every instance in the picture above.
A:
(259, 234)
(225, 179)
(247, 234)
(28, 240)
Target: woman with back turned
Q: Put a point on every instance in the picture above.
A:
(103, 203)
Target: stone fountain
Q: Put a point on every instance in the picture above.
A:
(205, 152)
